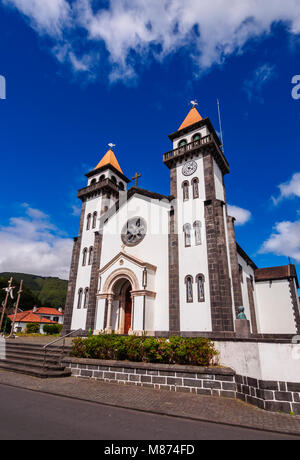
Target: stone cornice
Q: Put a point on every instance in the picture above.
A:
(124, 255)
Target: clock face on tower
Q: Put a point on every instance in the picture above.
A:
(189, 168)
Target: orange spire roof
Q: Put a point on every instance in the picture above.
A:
(192, 118)
(109, 159)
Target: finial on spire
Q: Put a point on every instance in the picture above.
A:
(194, 103)
(111, 145)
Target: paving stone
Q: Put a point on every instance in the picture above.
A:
(174, 381)
(213, 385)
(296, 397)
(283, 396)
(149, 372)
(293, 387)
(228, 386)
(192, 383)
(160, 380)
(134, 378)
(268, 385)
(277, 406)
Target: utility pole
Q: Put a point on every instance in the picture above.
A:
(16, 310)
(9, 292)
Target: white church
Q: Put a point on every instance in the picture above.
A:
(145, 263)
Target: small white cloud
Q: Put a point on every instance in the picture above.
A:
(261, 76)
(284, 241)
(241, 215)
(49, 17)
(76, 210)
(290, 189)
(32, 244)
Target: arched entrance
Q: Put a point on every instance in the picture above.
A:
(122, 306)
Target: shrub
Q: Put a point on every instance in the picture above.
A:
(52, 329)
(176, 350)
(32, 328)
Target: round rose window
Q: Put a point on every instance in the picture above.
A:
(134, 231)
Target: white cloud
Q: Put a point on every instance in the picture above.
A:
(134, 30)
(46, 16)
(289, 189)
(241, 215)
(284, 241)
(32, 244)
(259, 79)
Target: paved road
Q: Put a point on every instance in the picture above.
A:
(27, 415)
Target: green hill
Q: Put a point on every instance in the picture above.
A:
(38, 290)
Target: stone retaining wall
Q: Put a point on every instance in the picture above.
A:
(188, 379)
(267, 395)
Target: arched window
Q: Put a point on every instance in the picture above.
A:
(91, 252)
(114, 180)
(198, 236)
(195, 185)
(185, 188)
(189, 288)
(200, 280)
(182, 143)
(187, 235)
(86, 298)
(121, 185)
(93, 181)
(80, 292)
(196, 137)
(241, 274)
(84, 257)
(88, 222)
(102, 178)
(95, 219)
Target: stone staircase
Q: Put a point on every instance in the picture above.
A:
(28, 358)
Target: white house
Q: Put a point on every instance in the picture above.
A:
(40, 316)
(148, 263)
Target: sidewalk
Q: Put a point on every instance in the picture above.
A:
(211, 409)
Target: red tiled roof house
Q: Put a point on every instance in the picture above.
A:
(39, 316)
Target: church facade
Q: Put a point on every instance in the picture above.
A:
(145, 263)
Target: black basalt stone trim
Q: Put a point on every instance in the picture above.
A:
(174, 307)
(73, 275)
(295, 304)
(91, 313)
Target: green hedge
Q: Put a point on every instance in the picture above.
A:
(52, 329)
(175, 350)
(32, 328)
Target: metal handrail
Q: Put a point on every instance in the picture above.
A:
(45, 348)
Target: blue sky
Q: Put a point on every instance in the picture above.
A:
(82, 74)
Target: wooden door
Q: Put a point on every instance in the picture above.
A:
(128, 311)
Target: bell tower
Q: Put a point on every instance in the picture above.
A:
(105, 184)
(199, 250)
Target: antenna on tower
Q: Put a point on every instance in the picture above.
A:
(220, 124)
